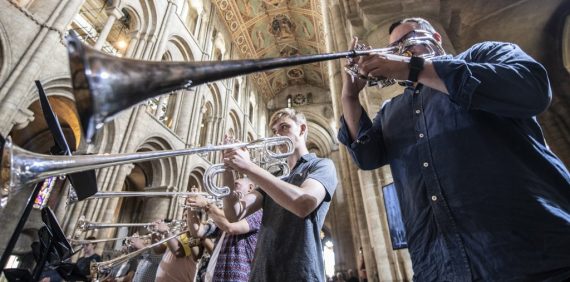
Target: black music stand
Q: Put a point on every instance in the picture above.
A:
(53, 247)
(87, 179)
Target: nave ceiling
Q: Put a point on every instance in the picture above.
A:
(277, 28)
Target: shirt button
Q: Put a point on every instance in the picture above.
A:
(426, 164)
(418, 112)
(434, 198)
(421, 135)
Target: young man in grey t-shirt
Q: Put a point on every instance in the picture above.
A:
(289, 246)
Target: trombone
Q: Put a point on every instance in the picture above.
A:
(84, 225)
(104, 240)
(100, 270)
(104, 85)
(20, 167)
(72, 198)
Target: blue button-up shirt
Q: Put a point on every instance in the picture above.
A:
(482, 196)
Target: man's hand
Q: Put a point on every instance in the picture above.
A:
(352, 86)
(161, 226)
(381, 66)
(238, 159)
(197, 202)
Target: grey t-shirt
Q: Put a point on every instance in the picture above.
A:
(289, 248)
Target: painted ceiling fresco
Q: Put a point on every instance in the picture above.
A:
(277, 28)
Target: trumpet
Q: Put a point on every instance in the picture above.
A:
(20, 167)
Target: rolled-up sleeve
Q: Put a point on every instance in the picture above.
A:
(368, 150)
(496, 77)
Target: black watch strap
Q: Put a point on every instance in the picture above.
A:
(416, 65)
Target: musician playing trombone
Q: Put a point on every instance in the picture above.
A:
(180, 256)
(236, 247)
(294, 208)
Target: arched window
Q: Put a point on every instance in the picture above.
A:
(250, 112)
(234, 124)
(195, 180)
(289, 101)
(217, 54)
(192, 19)
(236, 90)
(204, 124)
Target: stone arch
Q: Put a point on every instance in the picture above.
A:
(180, 49)
(321, 138)
(59, 92)
(135, 17)
(234, 124)
(250, 136)
(164, 171)
(196, 179)
(216, 97)
(166, 57)
(154, 175)
(149, 14)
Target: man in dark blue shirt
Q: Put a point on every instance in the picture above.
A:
(482, 196)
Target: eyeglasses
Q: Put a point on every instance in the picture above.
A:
(417, 42)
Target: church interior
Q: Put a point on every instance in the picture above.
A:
(357, 235)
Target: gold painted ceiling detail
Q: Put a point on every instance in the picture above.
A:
(277, 28)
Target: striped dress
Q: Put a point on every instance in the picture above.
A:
(236, 256)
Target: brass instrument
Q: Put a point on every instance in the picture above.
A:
(85, 225)
(101, 270)
(104, 85)
(20, 167)
(72, 199)
(104, 240)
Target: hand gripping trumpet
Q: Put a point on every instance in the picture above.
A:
(20, 167)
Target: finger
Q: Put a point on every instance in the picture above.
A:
(353, 42)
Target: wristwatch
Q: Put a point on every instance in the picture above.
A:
(416, 65)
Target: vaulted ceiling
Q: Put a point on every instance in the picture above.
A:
(277, 28)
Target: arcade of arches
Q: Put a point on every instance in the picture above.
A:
(32, 48)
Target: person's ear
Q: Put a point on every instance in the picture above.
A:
(437, 37)
(303, 129)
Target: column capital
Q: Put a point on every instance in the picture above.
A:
(114, 11)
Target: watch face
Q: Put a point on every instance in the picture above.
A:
(300, 99)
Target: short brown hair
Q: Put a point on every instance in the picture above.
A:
(291, 113)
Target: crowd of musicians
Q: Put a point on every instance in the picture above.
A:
(483, 197)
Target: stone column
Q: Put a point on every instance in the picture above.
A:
(170, 10)
(149, 46)
(138, 53)
(132, 44)
(186, 113)
(114, 14)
